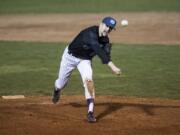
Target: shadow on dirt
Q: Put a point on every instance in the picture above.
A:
(112, 107)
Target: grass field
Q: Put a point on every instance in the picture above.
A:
(81, 6)
(31, 68)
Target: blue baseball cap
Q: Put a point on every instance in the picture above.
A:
(110, 22)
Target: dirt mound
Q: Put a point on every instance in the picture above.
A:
(149, 27)
(116, 116)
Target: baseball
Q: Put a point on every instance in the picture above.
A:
(124, 22)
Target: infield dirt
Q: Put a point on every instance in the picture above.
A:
(115, 115)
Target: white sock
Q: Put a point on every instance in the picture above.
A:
(90, 103)
(91, 107)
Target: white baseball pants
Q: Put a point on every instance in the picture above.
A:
(67, 65)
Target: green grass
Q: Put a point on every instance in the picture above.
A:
(31, 68)
(82, 6)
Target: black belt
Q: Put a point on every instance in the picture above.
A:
(75, 55)
(69, 52)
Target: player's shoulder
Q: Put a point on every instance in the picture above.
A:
(91, 29)
(90, 32)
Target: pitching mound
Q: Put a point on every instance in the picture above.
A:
(115, 115)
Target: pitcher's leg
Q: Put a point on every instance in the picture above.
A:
(65, 71)
(68, 64)
(61, 82)
(85, 70)
(64, 75)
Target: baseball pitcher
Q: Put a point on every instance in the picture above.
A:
(79, 53)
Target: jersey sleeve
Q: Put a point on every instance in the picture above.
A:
(107, 48)
(105, 58)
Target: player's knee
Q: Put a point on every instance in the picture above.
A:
(90, 84)
(89, 88)
(89, 80)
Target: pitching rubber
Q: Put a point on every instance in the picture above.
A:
(13, 97)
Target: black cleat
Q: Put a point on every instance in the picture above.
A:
(56, 95)
(91, 118)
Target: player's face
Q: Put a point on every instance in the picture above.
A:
(104, 29)
(109, 29)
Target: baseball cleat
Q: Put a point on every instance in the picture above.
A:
(56, 95)
(91, 118)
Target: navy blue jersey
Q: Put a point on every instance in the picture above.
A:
(87, 44)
